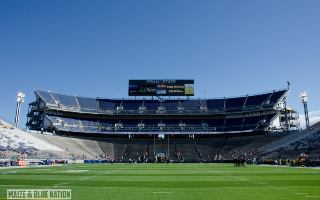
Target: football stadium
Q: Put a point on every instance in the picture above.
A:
(159, 100)
(160, 142)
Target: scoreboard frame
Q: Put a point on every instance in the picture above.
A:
(161, 87)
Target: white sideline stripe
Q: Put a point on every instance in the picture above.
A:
(60, 184)
(311, 196)
(74, 171)
(9, 172)
(30, 166)
(284, 166)
(260, 183)
(113, 171)
(91, 177)
(162, 192)
(278, 188)
(301, 193)
(86, 178)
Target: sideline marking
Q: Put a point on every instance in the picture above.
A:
(61, 184)
(162, 192)
(74, 171)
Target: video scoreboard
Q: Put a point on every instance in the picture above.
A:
(161, 87)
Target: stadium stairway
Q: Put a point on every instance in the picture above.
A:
(107, 147)
(231, 144)
(247, 146)
(135, 149)
(120, 149)
(188, 151)
(207, 150)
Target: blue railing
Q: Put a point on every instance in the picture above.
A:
(99, 126)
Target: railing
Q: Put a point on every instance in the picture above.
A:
(168, 98)
(155, 128)
(164, 112)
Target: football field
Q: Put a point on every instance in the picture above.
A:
(167, 181)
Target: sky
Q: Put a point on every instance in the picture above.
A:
(92, 48)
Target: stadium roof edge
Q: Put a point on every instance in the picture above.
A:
(168, 98)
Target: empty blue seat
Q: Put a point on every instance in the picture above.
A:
(107, 105)
(215, 104)
(65, 100)
(46, 96)
(257, 100)
(275, 97)
(190, 105)
(151, 105)
(131, 105)
(171, 105)
(235, 104)
(87, 104)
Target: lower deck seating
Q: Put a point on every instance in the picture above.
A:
(209, 148)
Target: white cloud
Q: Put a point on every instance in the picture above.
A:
(314, 117)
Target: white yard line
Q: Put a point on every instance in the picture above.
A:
(61, 184)
(72, 171)
(311, 196)
(29, 166)
(162, 192)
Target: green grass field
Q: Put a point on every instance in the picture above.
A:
(168, 181)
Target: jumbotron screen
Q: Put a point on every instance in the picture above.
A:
(161, 87)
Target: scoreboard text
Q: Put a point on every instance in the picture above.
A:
(161, 87)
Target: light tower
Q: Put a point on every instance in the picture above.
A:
(304, 98)
(20, 100)
(285, 109)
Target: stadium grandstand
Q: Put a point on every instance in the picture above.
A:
(163, 129)
(15, 143)
(152, 129)
(71, 114)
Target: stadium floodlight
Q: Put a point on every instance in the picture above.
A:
(304, 98)
(20, 99)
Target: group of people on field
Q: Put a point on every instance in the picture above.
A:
(239, 162)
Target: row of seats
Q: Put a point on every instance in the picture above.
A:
(308, 145)
(215, 125)
(289, 139)
(104, 105)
